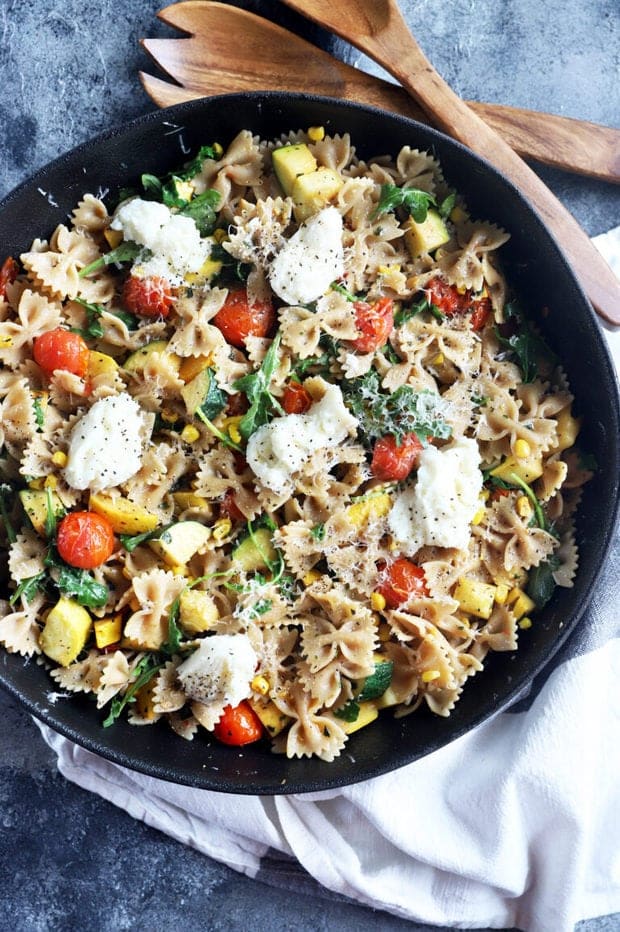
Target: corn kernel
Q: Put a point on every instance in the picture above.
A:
(260, 684)
(220, 235)
(458, 215)
(37, 483)
(501, 593)
(311, 576)
(438, 360)
(429, 675)
(377, 601)
(462, 289)
(59, 458)
(233, 433)
(477, 518)
(525, 623)
(222, 528)
(524, 507)
(169, 416)
(190, 434)
(179, 569)
(50, 482)
(485, 495)
(6, 342)
(217, 149)
(522, 449)
(316, 133)
(384, 633)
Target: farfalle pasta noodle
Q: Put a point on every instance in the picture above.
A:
(301, 567)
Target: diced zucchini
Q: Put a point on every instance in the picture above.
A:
(376, 506)
(526, 468)
(191, 366)
(126, 517)
(314, 191)
(567, 430)
(368, 712)
(425, 237)
(34, 503)
(197, 611)
(195, 392)
(475, 597)
(208, 270)
(108, 630)
(290, 162)
(272, 719)
(179, 543)
(256, 553)
(137, 360)
(185, 500)
(66, 631)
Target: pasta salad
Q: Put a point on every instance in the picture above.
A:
(280, 449)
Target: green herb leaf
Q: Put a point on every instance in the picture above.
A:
(344, 291)
(541, 584)
(81, 586)
(39, 413)
(412, 200)
(125, 252)
(52, 514)
(202, 210)
(349, 712)
(516, 480)
(526, 346)
(377, 683)
(403, 412)
(144, 671)
(175, 635)
(215, 399)
(192, 168)
(447, 206)
(94, 327)
(406, 313)
(130, 542)
(318, 532)
(255, 386)
(29, 587)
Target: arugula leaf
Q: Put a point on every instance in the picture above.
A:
(130, 320)
(125, 252)
(144, 671)
(374, 686)
(406, 313)
(175, 635)
(344, 291)
(403, 412)
(215, 400)
(52, 514)
(202, 210)
(39, 413)
(516, 480)
(94, 327)
(192, 168)
(232, 271)
(390, 354)
(447, 206)
(80, 585)
(255, 386)
(29, 587)
(541, 584)
(524, 345)
(5, 491)
(414, 202)
(130, 542)
(318, 532)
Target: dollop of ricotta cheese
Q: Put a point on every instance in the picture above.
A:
(174, 241)
(438, 509)
(310, 260)
(105, 448)
(277, 450)
(220, 669)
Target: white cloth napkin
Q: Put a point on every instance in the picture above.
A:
(515, 824)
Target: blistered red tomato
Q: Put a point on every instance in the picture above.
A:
(392, 461)
(401, 580)
(238, 319)
(85, 539)
(229, 507)
(148, 297)
(451, 301)
(8, 274)
(239, 725)
(375, 323)
(61, 349)
(296, 399)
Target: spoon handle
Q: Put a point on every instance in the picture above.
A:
(377, 28)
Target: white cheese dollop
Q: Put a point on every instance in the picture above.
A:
(310, 260)
(105, 448)
(174, 240)
(220, 670)
(279, 449)
(438, 509)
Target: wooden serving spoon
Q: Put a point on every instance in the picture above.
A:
(377, 28)
(208, 62)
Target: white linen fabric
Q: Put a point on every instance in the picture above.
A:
(515, 824)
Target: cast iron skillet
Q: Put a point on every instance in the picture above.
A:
(161, 141)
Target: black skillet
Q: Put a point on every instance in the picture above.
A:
(161, 141)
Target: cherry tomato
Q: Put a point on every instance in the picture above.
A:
(297, 399)
(229, 508)
(402, 579)
(85, 539)
(148, 297)
(393, 462)
(61, 349)
(8, 274)
(238, 725)
(450, 302)
(375, 321)
(238, 319)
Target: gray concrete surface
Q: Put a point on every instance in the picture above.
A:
(68, 860)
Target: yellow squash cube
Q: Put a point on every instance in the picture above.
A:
(108, 630)
(66, 631)
(178, 544)
(474, 597)
(126, 517)
(197, 611)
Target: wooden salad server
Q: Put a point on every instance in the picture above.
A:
(377, 28)
(208, 62)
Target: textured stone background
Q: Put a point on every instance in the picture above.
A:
(68, 860)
